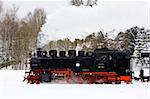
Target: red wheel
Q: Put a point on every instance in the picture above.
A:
(88, 80)
(79, 80)
(31, 82)
(69, 80)
(37, 82)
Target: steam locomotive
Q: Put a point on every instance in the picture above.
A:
(100, 66)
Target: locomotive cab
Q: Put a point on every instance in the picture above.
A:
(122, 63)
(103, 60)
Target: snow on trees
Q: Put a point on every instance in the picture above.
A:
(18, 36)
(84, 2)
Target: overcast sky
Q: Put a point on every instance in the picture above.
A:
(109, 15)
(51, 7)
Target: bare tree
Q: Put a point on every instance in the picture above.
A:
(1, 34)
(1, 6)
(8, 32)
(19, 36)
(30, 27)
(64, 44)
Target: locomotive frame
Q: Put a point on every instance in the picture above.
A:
(100, 66)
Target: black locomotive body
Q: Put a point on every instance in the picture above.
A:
(100, 66)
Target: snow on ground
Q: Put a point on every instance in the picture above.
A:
(12, 87)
